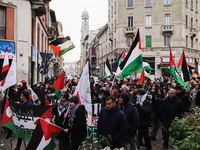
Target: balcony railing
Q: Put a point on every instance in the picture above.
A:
(130, 30)
(167, 29)
(111, 36)
(93, 55)
(193, 32)
(38, 6)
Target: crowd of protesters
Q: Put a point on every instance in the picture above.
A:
(128, 109)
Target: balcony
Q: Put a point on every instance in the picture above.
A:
(38, 7)
(93, 55)
(130, 31)
(93, 65)
(193, 32)
(111, 36)
(167, 29)
(51, 33)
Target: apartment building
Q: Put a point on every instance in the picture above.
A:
(161, 23)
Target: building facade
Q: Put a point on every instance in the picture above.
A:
(161, 23)
(26, 28)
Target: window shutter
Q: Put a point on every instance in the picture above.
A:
(10, 23)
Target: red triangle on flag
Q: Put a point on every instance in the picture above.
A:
(56, 49)
(46, 116)
(49, 128)
(59, 83)
(171, 62)
(142, 77)
(7, 114)
(46, 101)
(79, 100)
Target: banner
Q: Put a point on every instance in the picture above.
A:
(92, 121)
(22, 119)
(11, 49)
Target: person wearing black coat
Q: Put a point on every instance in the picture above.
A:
(112, 122)
(76, 123)
(170, 108)
(181, 94)
(132, 116)
(144, 107)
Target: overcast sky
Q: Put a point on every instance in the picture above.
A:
(69, 13)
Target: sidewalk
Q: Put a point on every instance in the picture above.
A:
(7, 144)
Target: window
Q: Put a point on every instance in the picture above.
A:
(148, 41)
(186, 20)
(148, 21)
(191, 4)
(2, 22)
(115, 25)
(130, 21)
(196, 44)
(196, 24)
(191, 42)
(130, 3)
(167, 19)
(186, 2)
(115, 6)
(191, 22)
(148, 2)
(196, 6)
(167, 2)
(167, 40)
(130, 41)
(186, 41)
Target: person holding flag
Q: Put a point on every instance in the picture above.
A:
(76, 123)
(60, 110)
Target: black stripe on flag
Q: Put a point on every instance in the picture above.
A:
(185, 71)
(134, 44)
(196, 65)
(108, 65)
(34, 142)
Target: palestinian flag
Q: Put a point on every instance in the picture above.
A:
(133, 60)
(197, 66)
(5, 69)
(131, 81)
(173, 70)
(183, 66)
(61, 49)
(68, 83)
(59, 85)
(147, 67)
(142, 78)
(83, 89)
(21, 119)
(107, 69)
(43, 136)
(118, 62)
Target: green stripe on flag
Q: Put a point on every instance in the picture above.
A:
(132, 67)
(63, 51)
(52, 144)
(58, 93)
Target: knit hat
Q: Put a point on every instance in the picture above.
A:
(125, 97)
(74, 99)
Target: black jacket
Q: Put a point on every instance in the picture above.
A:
(132, 116)
(112, 122)
(145, 113)
(185, 99)
(79, 129)
(171, 108)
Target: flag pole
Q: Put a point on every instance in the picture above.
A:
(112, 83)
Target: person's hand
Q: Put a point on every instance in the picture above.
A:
(66, 130)
(65, 115)
(50, 104)
(17, 102)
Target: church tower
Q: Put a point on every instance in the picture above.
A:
(84, 32)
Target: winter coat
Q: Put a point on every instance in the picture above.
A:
(171, 108)
(112, 122)
(79, 129)
(132, 116)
